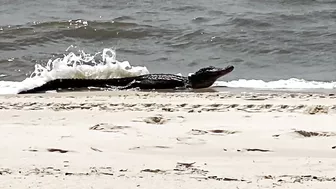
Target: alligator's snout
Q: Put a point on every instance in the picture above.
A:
(231, 68)
(228, 69)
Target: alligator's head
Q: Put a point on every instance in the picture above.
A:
(205, 77)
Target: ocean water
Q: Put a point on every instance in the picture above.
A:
(274, 44)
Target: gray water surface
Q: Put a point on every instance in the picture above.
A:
(269, 40)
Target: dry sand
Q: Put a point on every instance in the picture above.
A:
(168, 140)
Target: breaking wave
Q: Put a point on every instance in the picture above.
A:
(102, 65)
(290, 84)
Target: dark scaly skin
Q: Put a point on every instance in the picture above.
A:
(203, 78)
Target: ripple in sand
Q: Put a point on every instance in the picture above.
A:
(314, 134)
(307, 134)
(190, 141)
(106, 127)
(213, 132)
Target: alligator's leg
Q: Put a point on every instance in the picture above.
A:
(131, 85)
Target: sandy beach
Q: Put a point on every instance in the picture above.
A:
(168, 140)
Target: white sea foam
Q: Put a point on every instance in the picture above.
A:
(73, 65)
(292, 84)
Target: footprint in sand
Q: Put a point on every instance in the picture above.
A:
(319, 109)
(250, 150)
(190, 141)
(56, 150)
(312, 134)
(255, 150)
(212, 132)
(149, 147)
(106, 127)
(159, 119)
(197, 132)
(307, 134)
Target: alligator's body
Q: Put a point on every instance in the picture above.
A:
(203, 78)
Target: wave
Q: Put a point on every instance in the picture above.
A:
(41, 33)
(284, 84)
(101, 65)
(104, 65)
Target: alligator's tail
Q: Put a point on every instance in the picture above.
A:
(62, 84)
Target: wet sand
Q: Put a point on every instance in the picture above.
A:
(168, 140)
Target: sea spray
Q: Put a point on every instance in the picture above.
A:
(85, 66)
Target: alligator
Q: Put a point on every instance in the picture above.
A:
(203, 78)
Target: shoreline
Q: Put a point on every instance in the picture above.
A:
(171, 140)
(192, 102)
